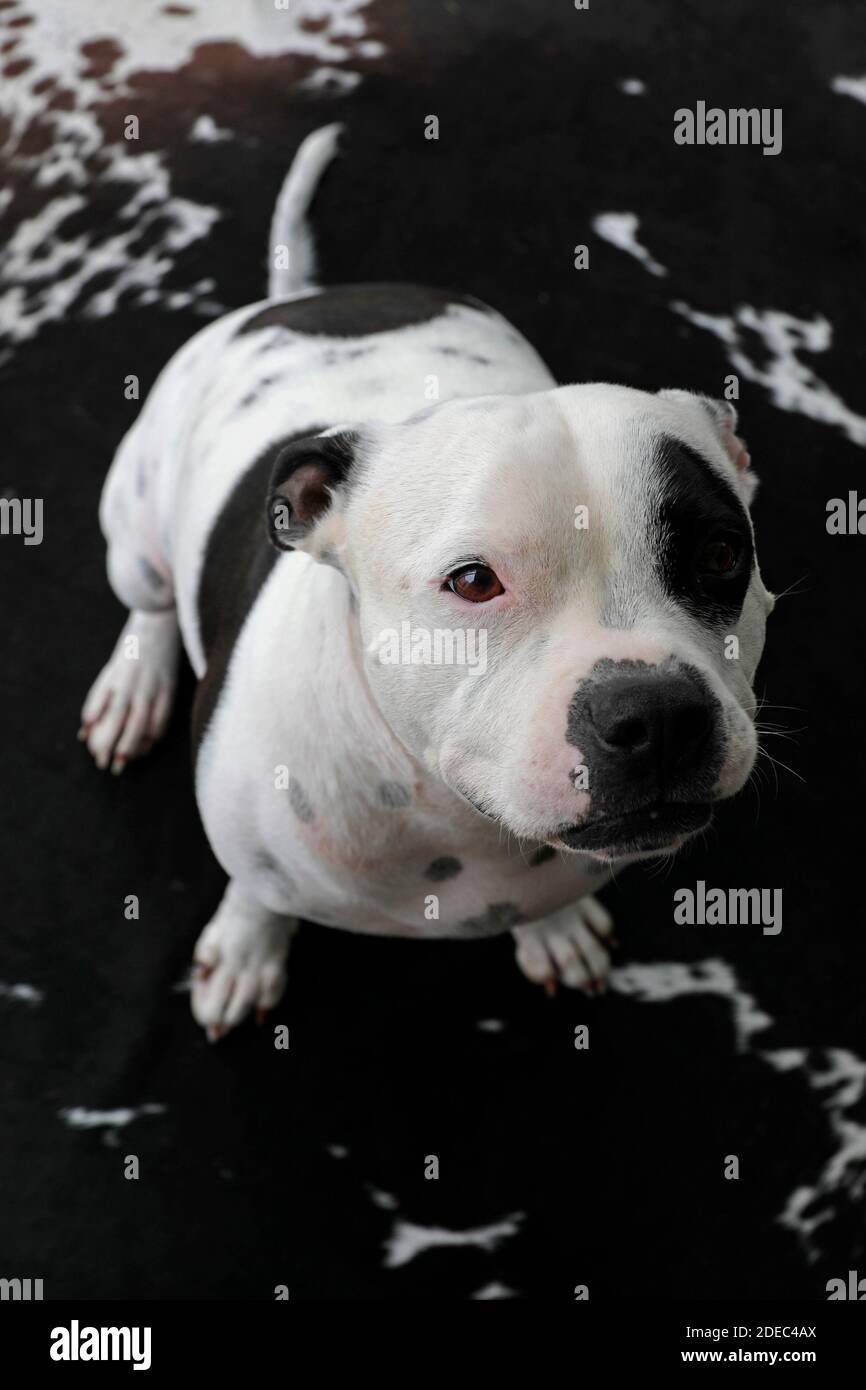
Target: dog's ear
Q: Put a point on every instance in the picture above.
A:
(723, 417)
(307, 488)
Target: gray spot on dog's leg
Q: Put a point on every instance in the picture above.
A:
(267, 865)
(153, 577)
(440, 869)
(299, 802)
(394, 795)
(499, 917)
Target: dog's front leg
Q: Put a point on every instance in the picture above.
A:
(240, 961)
(569, 946)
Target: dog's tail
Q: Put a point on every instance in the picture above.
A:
(292, 252)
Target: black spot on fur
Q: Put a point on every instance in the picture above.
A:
(153, 578)
(266, 865)
(353, 311)
(394, 795)
(299, 801)
(440, 869)
(499, 917)
(464, 356)
(256, 393)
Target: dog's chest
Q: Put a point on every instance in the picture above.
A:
(392, 866)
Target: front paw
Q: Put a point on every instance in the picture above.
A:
(570, 947)
(240, 966)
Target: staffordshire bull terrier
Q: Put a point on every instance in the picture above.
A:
(465, 639)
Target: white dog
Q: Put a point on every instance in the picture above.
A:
(465, 639)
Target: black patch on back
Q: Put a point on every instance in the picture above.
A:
(354, 311)
(238, 559)
(695, 505)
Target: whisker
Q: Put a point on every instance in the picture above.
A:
(789, 734)
(753, 783)
(777, 762)
(792, 590)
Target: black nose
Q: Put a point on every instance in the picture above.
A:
(662, 721)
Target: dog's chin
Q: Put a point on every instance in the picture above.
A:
(659, 829)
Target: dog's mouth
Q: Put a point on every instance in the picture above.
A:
(655, 828)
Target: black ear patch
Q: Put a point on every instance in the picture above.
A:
(305, 476)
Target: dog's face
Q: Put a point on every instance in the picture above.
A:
(559, 600)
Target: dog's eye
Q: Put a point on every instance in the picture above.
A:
(718, 557)
(477, 583)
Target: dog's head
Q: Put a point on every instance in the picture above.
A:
(559, 601)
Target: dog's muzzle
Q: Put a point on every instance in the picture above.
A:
(650, 739)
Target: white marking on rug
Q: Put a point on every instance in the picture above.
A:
(841, 1084)
(24, 994)
(620, 229)
(80, 1117)
(662, 981)
(407, 1240)
(850, 87)
(149, 40)
(836, 1075)
(792, 385)
(44, 274)
(385, 1201)
(206, 130)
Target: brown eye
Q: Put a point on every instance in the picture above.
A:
(718, 557)
(476, 583)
